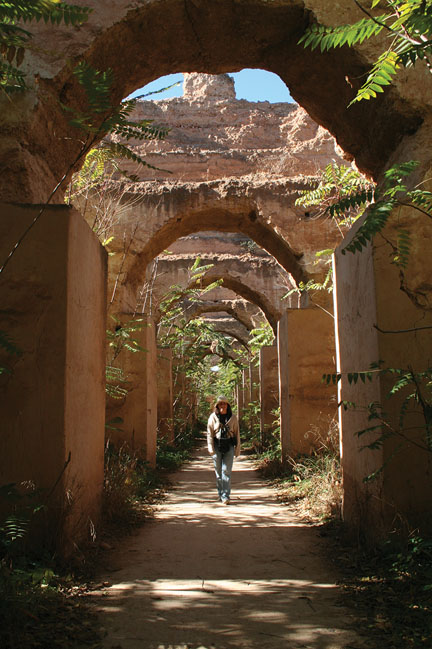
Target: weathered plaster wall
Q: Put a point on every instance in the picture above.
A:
(139, 409)
(53, 401)
(306, 351)
(269, 387)
(165, 421)
(240, 398)
(403, 488)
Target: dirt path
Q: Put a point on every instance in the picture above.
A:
(203, 575)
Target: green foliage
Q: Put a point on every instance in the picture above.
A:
(339, 184)
(14, 39)
(267, 443)
(116, 382)
(210, 384)
(251, 426)
(393, 192)
(313, 285)
(122, 336)
(327, 38)
(171, 306)
(342, 193)
(413, 426)
(190, 340)
(22, 503)
(121, 339)
(408, 24)
(10, 348)
(93, 170)
(391, 589)
(381, 75)
(249, 245)
(260, 337)
(170, 457)
(195, 343)
(312, 481)
(102, 117)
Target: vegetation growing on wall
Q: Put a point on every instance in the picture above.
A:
(334, 186)
(406, 23)
(15, 39)
(395, 199)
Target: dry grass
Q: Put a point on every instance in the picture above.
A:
(130, 487)
(312, 482)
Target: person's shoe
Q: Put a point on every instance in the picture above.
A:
(226, 502)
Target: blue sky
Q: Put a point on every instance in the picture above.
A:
(253, 85)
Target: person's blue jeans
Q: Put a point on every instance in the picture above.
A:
(223, 463)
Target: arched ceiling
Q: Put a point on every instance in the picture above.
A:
(241, 310)
(248, 293)
(230, 326)
(222, 220)
(164, 36)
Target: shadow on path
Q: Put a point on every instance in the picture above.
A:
(203, 575)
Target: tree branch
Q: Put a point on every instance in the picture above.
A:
(400, 331)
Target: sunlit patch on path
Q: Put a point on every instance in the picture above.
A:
(201, 575)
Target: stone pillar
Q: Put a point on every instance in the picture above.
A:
(367, 293)
(165, 394)
(240, 392)
(269, 387)
(306, 352)
(138, 409)
(254, 382)
(53, 308)
(252, 395)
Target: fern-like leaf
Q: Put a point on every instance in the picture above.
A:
(47, 10)
(122, 151)
(14, 39)
(381, 75)
(341, 191)
(403, 245)
(8, 345)
(331, 37)
(97, 85)
(408, 23)
(11, 79)
(422, 199)
(374, 222)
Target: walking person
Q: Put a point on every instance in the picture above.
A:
(223, 442)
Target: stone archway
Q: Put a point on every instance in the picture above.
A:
(240, 309)
(38, 145)
(228, 218)
(223, 37)
(231, 327)
(248, 293)
(260, 281)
